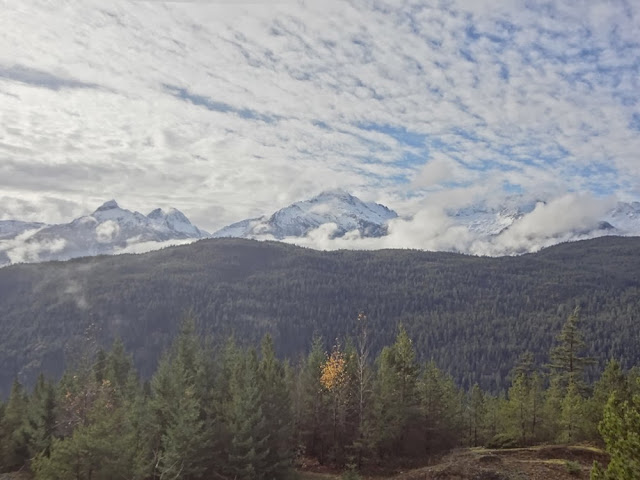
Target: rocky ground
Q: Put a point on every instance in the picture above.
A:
(537, 463)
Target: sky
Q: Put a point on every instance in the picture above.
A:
(229, 110)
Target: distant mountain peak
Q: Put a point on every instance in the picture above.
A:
(335, 206)
(109, 229)
(156, 214)
(109, 205)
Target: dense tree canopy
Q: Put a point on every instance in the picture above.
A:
(473, 316)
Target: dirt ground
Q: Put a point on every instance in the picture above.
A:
(536, 463)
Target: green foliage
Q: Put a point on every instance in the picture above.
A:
(98, 449)
(229, 412)
(473, 316)
(14, 449)
(573, 468)
(397, 400)
(567, 365)
(351, 473)
(440, 408)
(183, 438)
(503, 440)
(250, 437)
(613, 380)
(572, 415)
(620, 429)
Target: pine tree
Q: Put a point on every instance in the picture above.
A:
(250, 439)
(567, 365)
(397, 400)
(276, 403)
(477, 416)
(40, 422)
(363, 380)
(183, 438)
(519, 408)
(185, 441)
(612, 380)
(551, 411)
(439, 407)
(14, 451)
(98, 449)
(313, 405)
(620, 429)
(572, 414)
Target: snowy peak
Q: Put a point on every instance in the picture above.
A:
(110, 205)
(345, 212)
(174, 220)
(109, 229)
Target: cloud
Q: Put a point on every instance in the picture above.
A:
(570, 217)
(230, 111)
(566, 218)
(135, 245)
(23, 249)
(75, 290)
(107, 231)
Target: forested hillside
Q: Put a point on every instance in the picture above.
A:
(243, 414)
(473, 316)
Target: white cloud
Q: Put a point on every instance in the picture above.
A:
(21, 249)
(106, 231)
(135, 245)
(566, 218)
(231, 111)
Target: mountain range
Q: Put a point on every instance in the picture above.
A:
(108, 230)
(493, 230)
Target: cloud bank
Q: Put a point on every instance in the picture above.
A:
(231, 110)
(567, 218)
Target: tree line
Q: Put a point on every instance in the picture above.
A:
(473, 315)
(232, 412)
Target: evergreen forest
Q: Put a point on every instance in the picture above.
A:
(225, 411)
(473, 316)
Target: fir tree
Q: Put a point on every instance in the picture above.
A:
(40, 422)
(276, 403)
(14, 450)
(567, 364)
(250, 439)
(620, 429)
(477, 416)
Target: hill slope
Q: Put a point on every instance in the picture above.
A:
(473, 315)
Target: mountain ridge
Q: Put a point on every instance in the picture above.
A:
(333, 219)
(347, 212)
(451, 304)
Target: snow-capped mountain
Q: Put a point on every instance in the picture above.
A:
(625, 217)
(486, 220)
(108, 230)
(346, 212)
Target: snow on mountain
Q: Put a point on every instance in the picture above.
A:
(337, 207)
(514, 226)
(625, 217)
(12, 228)
(486, 220)
(175, 221)
(108, 230)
